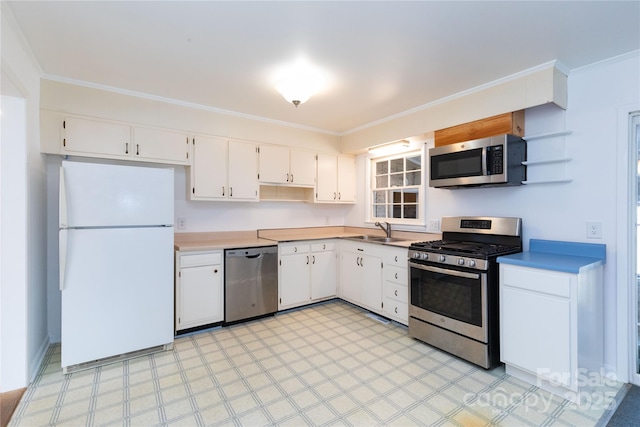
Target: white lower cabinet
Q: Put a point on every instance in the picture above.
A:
(199, 289)
(306, 272)
(395, 298)
(551, 332)
(361, 274)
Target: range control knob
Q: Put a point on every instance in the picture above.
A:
(425, 256)
(416, 255)
(460, 261)
(441, 258)
(472, 263)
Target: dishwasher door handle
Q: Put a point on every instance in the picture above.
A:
(254, 256)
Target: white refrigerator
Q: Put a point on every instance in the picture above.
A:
(116, 261)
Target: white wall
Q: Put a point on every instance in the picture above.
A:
(560, 211)
(24, 215)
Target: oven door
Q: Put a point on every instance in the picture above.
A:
(449, 298)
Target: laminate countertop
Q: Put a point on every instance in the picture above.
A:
(204, 241)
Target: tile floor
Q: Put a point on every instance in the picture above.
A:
(329, 364)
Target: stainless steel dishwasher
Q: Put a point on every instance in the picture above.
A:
(250, 283)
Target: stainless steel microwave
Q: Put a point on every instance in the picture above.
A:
(492, 161)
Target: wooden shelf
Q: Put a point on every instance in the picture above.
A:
(546, 162)
(550, 181)
(547, 135)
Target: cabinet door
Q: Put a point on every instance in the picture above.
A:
(535, 332)
(94, 137)
(209, 169)
(199, 296)
(274, 164)
(160, 145)
(327, 181)
(302, 167)
(294, 279)
(371, 292)
(350, 276)
(346, 179)
(323, 274)
(243, 171)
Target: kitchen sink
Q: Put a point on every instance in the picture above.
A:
(376, 239)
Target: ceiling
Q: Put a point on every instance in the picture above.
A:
(382, 57)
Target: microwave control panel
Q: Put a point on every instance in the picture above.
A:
(495, 159)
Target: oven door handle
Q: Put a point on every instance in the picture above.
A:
(446, 271)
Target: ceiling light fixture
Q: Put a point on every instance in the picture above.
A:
(390, 147)
(299, 81)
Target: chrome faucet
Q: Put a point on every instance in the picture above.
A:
(386, 230)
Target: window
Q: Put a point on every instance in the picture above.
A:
(396, 188)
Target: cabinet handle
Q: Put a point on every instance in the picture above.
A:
(307, 259)
(334, 195)
(126, 148)
(287, 177)
(396, 292)
(314, 259)
(215, 271)
(137, 149)
(230, 191)
(396, 258)
(358, 261)
(292, 178)
(396, 277)
(295, 249)
(396, 310)
(339, 196)
(223, 190)
(324, 246)
(361, 262)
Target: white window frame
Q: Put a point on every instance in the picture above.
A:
(371, 174)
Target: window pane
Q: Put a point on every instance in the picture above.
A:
(413, 178)
(410, 211)
(397, 211)
(397, 165)
(382, 181)
(380, 211)
(411, 196)
(413, 163)
(396, 196)
(382, 168)
(379, 196)
(396, 180)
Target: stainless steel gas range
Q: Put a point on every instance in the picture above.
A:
(454, 286)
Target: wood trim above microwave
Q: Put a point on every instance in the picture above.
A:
(512, 123)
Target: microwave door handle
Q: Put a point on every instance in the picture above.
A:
(484, 161)
(446, 271)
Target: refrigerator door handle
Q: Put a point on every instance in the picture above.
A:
(62, 249)
(62, 209)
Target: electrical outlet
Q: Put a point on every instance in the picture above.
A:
(434, 225)
(182, 223)
(594, 230)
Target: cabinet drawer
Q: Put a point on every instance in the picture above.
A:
(396, 256)
(536, 280)
(396, 291)
(201, 259)
(396, 274)
(323, 246)
(397, 309)
(290, 249)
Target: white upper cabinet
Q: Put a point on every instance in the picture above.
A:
(243, 171)
(282, 165)
(336, 179)
(113, 140)
(209, 171)
(223, 169)
(161, 145)
(95, 138)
